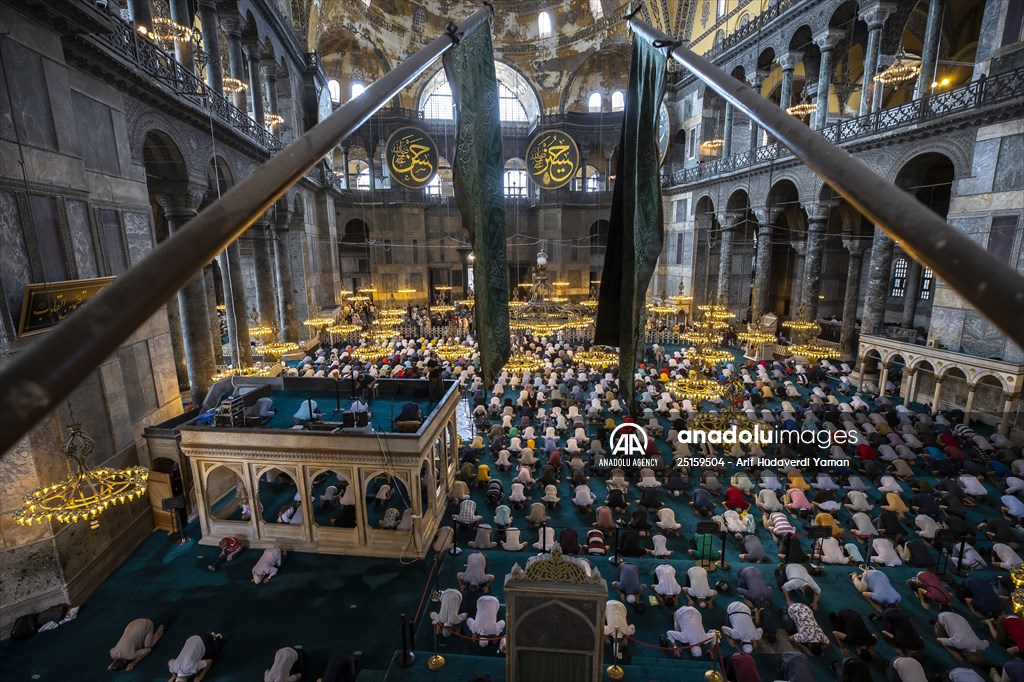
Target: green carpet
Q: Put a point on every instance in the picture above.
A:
(329, 604)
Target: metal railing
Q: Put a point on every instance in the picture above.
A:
(989, 284)
(140, 52)
(34, 382)
(986, 91)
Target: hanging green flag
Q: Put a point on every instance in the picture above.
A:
(636, 230)
(477, 178)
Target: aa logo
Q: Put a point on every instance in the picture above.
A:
(628, 440)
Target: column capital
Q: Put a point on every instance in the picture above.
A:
(856, 247)
(231, 22)
(252, 47)
(270, 68)
(789, 60)
(758, 78)
(1009, 397)
(179, 200)
(800, 246)
(874, 14)
(829, 38)
(729, 218)
(818, 211)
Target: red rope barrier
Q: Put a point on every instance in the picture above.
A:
(672, 648)
(419, 609)
(474, 638)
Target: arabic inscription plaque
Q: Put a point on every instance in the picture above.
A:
(411, 157)
(45, 305)
(552, 159)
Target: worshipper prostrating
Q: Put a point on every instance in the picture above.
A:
(196, 656)
(136, 643)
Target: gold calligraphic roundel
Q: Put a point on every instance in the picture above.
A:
(412, 157)
(552, 159)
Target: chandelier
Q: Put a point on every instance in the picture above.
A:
(371, 352)
(801, 327)
(442, 308)
(260, 330)
(317, 322)
(231, 86)
(803, 108)
(520, 362)
(467, 302)
(85, 494)
(277, 348)
(407, 291)
(713, 145)
(450, 351)
(756, 338)
(357, 298)
(902, 69)
(708, 355)
(814, 351)
(273, 119)
(257, 370)
(597, 357)
(165, 30)
(343, 329)
(695, 387)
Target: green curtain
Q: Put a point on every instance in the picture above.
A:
(477, 177)
(636, 230)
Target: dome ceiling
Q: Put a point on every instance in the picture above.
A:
(362, 40)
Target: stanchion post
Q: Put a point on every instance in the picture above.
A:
(615, 560)
(405, 658)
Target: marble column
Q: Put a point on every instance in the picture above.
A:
(270, 85)
(253, 52)
(177, 343)
(796, 293)
(207, 10)
(141, 12)
(283, 271)
(180, 207)
(874, 15)
(937, 396)
(851, 298)
(788, 62)
(930, 47)
(211, 306)
(762, 271)
(701, 260)
(237, 307)
(727, 131)
(755, 130)
(232, 26)
(879, 273)
(1004, 418)
(912, 384)
(344, 164)
(911, 293)
(728, 222)
(883, 377)
(817, 221)
(969, 406)
(863, 361)
(181, 14)
(266, 295)
(826, 41)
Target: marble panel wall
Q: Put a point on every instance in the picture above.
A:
(82, 247)
(138, 234)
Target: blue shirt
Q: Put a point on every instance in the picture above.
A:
(880, 588)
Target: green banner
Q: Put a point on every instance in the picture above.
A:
(477, 178)
(637, 231)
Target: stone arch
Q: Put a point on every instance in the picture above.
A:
(601, 72)
(903, 166)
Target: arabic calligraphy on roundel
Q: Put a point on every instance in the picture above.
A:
(408, 158)
(551, 160)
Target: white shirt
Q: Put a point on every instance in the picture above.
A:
(741, 624)
(284, 659)
(699, 587)
(690, 624)
(1006, 555)
(268, 563)
(926, 526)
(959, 633)
(885, 553)
(190, 661)
(797, 577)
(667, 584)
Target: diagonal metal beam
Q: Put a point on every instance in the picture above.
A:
(37, 379)
(991, 286)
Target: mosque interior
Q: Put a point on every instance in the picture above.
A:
(384, 299)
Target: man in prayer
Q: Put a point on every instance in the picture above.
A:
(798, 579)
(287, 666)
(267, 566)
(196, 657)
(689, 632)
(136, 642)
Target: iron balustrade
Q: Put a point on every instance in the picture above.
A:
(998, 89)
(163, 68)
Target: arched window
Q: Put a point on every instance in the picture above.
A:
(594, 102)
(899, 277)
(927, 284)
(618, 101)
(517, 101)
(515, 180)
(597, 9)
(593, 180)
(544, 24)
(599, 234)
(359, 174)
(441, 183)
(334, 87)
(722, 6)
(744, 20)
(357, 89)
